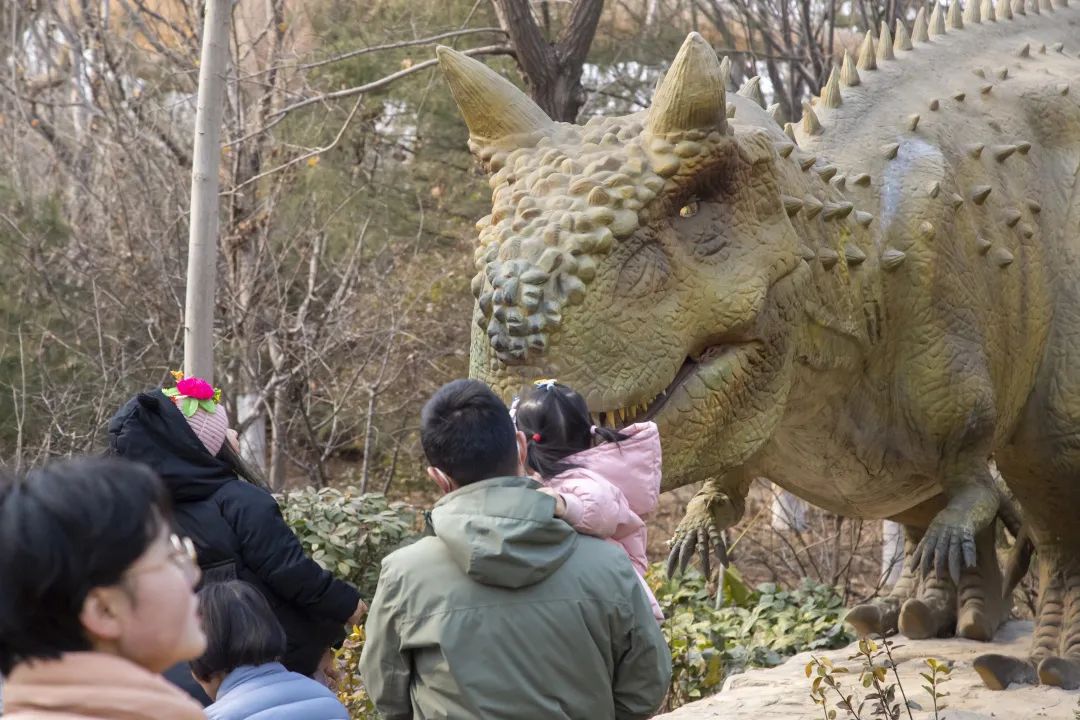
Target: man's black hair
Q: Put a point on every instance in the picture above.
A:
(240, 629)
(65, 529)
(467, 433)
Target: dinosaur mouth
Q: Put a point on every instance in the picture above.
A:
(715, 360)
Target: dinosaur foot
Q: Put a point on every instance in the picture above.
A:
(1060, 672)
(975, 624)
(931, 613)
(871, 619)
(1000, 671)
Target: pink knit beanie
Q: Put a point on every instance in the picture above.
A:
(199, 403)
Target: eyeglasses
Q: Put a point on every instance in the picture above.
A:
(181, 554)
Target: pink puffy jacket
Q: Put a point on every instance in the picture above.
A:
(613, 487)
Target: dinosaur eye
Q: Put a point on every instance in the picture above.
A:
(689, 210)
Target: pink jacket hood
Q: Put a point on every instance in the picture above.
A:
(632, 465)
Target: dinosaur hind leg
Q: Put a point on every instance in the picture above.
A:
(880, 616)
(1057, 640)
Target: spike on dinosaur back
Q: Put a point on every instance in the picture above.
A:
(853, 255)
(1003, 152)
(890, 150)
(792, 205)
(979, 193)
(867, 53)
(784, 149)
(828, 258)
(774, 112)
(863, 218)
(811, 125)
(1025, 51)
(935, 104)
(903, 40)
(955, 18)
(920, 31)
(830, 94)
(982, 245)
(937, 20)
(848, 74)
(751, 89)
(812, 206)
(725, 71)
(913, 122)
(789, 130)
(885, 44)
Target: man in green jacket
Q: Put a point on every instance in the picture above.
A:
(506, 612)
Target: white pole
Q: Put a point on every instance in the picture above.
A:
(203, 228)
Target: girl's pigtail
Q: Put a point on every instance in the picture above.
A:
(603, 434)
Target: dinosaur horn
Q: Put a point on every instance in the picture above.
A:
(691, 97)
(493, 107)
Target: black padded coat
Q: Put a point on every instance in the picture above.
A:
(237, 528)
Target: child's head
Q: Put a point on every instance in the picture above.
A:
(556, 424)
(240, 628)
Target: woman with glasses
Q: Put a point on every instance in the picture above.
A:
(97, 595)
(182, 433)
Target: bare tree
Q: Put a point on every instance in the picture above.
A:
(552, 69)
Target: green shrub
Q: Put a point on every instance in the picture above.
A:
(756, 628)
(348, 534)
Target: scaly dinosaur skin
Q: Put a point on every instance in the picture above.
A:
(863, 317)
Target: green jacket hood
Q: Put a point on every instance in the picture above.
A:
(503, 532)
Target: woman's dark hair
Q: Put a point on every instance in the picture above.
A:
(243, 469)
(557, 424)
(240, 628)
(66, 529)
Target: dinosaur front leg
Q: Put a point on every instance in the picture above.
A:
(713, 509)
(949, 545)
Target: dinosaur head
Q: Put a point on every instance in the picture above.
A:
(647, 261)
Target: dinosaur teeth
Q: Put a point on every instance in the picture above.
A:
(1004, 9)
(979, 194)
(988, 11)
(892, 259)
(972, 15)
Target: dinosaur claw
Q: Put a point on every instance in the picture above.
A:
(686, 551)
(704, 554)
(673, 558)
(955, 558)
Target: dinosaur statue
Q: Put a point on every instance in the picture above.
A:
(863, 307)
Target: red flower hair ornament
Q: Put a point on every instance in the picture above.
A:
(192, 393)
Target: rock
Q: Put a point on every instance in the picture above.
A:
(782, 693)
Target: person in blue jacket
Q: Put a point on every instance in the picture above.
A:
(240, 669)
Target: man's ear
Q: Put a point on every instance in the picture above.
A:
(444, 481)
(523, 454)
(99, 615)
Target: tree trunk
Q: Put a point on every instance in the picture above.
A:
(552, 70)
(203, 227)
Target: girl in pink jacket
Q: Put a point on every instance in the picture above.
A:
(609, 480)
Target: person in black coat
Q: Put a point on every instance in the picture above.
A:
(236, 526)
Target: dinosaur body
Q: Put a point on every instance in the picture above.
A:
(863, 309)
